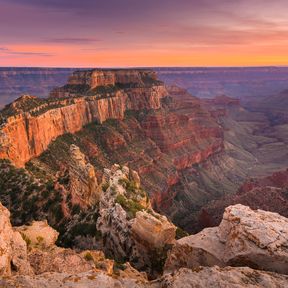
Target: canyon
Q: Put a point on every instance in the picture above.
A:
(181, 160)
(187, 151)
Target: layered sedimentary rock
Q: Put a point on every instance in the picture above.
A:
(30, 124)
(130, 228)
(102, 77)
(245, 237)
(83, 184)
(268, 193)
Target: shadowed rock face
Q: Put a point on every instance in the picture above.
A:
(245, 237)
(268, 193)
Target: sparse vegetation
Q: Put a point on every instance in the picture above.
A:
(88, 256)
(180, 233)
(129, 205)
(105, 187)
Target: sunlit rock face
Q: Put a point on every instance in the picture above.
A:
(30, 124)
(102, 77)
(83, 184)
(13, 249)
(245, 237)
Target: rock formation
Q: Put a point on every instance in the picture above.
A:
(13, 249)
(130, 228)
(36, 265)
(104, 77)
(83, 184)
(30, 124)
(39, 232)
(257, 239)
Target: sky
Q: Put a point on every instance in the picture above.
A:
(133, 33)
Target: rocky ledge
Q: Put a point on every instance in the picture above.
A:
(245, 237)
(29, 258)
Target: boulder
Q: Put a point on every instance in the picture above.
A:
(39, 233)
(245, 237)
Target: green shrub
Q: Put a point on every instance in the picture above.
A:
(180, 233)
(130, 206)
(88, 256)
(26, 239)
(105, 187)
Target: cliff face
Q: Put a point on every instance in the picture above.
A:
(268, 193)
(29, 131)
(96, 78)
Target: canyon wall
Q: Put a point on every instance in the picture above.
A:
(28, 132)
(96, 78)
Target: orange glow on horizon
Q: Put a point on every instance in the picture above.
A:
(69, 56)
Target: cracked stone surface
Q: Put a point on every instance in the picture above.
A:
(245, 237)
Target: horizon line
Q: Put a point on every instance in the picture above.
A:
(144, 67)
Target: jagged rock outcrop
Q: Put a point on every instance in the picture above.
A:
(52, 266)
(130, 228)
(257, 239)
(30, 124)
(83, 184)
(13, 249)
(32, 251)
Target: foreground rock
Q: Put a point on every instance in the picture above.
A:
(130, 228)
(227, 277)
(38, 233)
(13, 249)
(257, 239)
(204, 277)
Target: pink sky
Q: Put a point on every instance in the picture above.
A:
(115, 33)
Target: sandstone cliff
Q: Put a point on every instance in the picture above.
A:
(30, 124)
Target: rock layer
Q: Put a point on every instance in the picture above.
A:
(35, 123)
